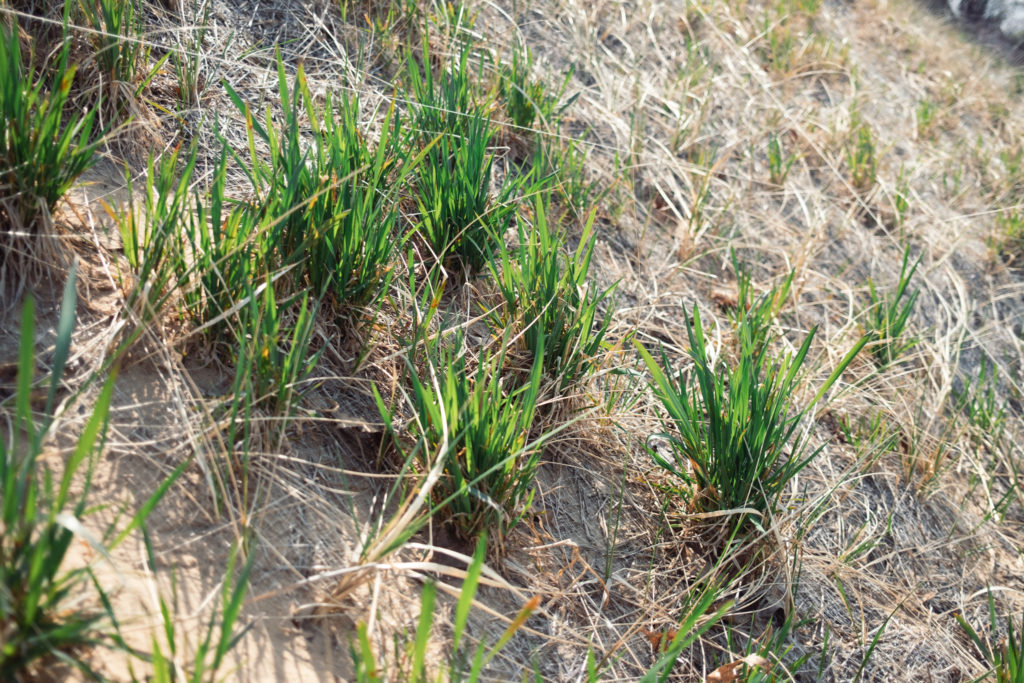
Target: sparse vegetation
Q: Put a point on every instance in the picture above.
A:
(1005, 656)
(40, 611)
(376, 290)
(888, 315)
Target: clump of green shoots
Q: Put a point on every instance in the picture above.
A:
(151, 235)
(44, 146)
(187, 59)
(754, 317)
(546, 291)
(779, 161)
(1009, 239)
(527, 99)
(735, 429)
(41, 516)
(979, 401)
(457, 214)
(1006, 659)
(860, 153)
(888, 315)
(115, 36)
(479, 426)
(328, 208)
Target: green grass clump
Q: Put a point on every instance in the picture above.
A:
(779, 161)
(151, 235)
(1009, 241)
(327, 208)
(1006, 659)
(980, 402)
(40, 517)
(44, 145)
(861, 156)
(888, 315)
(479, 426)
(457, 214)
(528, 100)
(547, 292)
(273, 343)
(116, 39)
(736, 433)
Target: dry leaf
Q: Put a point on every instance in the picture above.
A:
(660, 639)
(732, 670)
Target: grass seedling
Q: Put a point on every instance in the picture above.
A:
(779, 162)
(1006, 660)
(1009, 239)
(151, 236)
(44, 147)
(754, 317)
(736, 425)
(457, 214)
(218, 638)
(480, 427)
(980, 402)
(228, 251)
(925, 115)
(115, 37)
(547, 291)
(860, 153)
(888, 315)
(464, 663)
(273, 340)
(526, 99)
(40, 517)
(329, 208)
(188, 59)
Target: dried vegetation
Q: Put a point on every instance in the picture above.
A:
(565, 340)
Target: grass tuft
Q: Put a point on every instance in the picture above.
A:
(44, 147)
(735, 427)
(479, 426)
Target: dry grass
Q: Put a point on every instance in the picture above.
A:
(899, 527)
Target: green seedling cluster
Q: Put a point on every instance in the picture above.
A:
(861, 157)
(980, 402)
(779, 161)
(734, 430)
(45, 144)
(117, 45)
(547, 295)
(1009, 239)
(887, 317)
(457, 214)
(329, 210)
(527, 100)
(187, 59)
(752, 316)
(478, 424)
